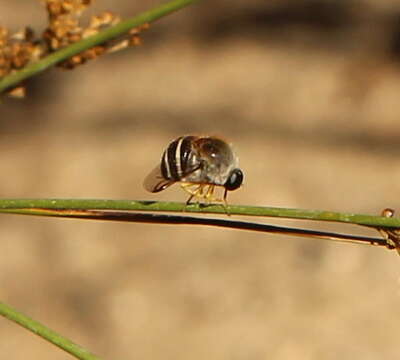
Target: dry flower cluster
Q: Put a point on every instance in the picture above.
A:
(64, 28)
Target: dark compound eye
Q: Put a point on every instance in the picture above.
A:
(235, 179)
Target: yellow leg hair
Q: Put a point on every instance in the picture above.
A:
(204, 192)
(194, 193)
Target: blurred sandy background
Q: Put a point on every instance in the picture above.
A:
(307, 91)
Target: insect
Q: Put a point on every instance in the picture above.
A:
(199, 163)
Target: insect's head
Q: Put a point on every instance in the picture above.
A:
(234, 180)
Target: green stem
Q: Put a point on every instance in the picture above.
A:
(76, 48)
(39, 206)
(46, 333)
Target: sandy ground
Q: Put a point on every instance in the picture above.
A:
(314, 126)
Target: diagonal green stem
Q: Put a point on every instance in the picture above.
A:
(39, 206)
(76, 48)
(46, 333)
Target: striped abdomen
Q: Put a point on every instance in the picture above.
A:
(175, 162)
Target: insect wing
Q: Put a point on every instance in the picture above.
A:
(190, 175)
(154, 182)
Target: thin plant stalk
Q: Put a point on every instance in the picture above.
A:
(117, 30)
(40, 206)
(150, 218)
(46, 333)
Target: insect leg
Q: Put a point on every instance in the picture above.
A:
(188, 201)
(209, 195)
(225, 202)
(187, 187)
(193, 193)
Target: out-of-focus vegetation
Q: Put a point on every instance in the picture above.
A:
(307, 91)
